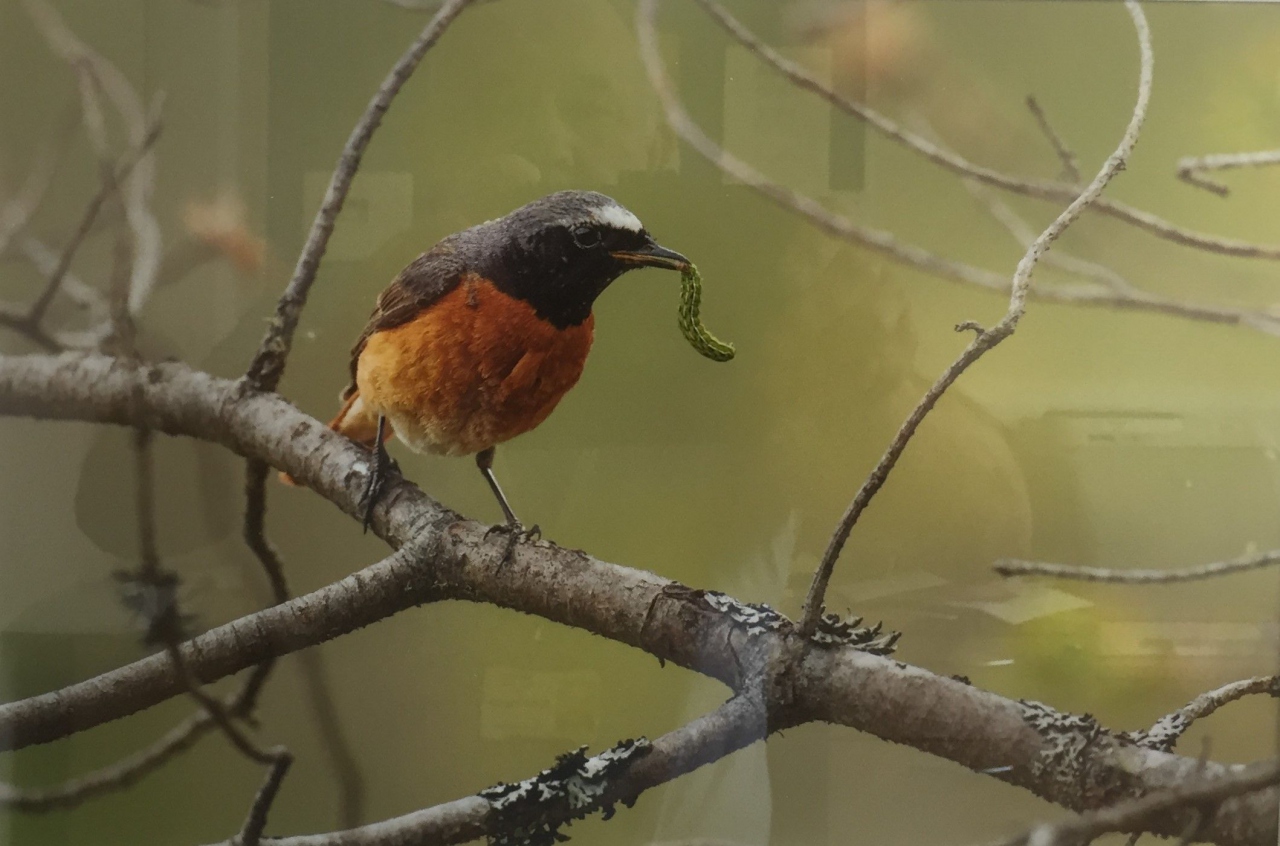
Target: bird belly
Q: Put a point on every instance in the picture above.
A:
(474, 369)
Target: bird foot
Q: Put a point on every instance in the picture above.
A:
(516, 534)
(383, 466)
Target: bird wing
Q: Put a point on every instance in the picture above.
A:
(424, 281)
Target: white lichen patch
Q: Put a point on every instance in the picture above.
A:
(535, 808)
(1066, 740)
(757, 619)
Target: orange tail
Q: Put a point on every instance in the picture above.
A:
(356, 423)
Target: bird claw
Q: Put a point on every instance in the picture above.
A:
(383, 465)
(516, 531)
(516, 534)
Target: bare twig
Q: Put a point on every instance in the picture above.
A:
(333, 738)
(165, 624)
(97, 75)
(1070, 167)
(1018, 567)
(311, 664)
(255, 514)
(256, 822)
(1133, 815)
(1023, 233)
(130, 770)
(116, 776)
(87, 218)
(887, 244)
(268, 363)
(1192, 168)
(1052, 191)
(17, 212)
(988, 338)
(1166, 731)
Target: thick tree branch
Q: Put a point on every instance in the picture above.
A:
(1068, 760)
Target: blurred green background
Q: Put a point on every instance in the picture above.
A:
(1091, 437)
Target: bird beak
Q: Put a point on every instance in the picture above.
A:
(653, 256)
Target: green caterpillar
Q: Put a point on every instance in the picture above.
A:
(691, 324)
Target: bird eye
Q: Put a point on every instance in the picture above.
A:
(586, 237)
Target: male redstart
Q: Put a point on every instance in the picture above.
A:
(477, 340)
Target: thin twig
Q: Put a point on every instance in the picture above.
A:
(320, 699)
(128, 771)
(1166, 731)
(87, 219)
(255, 515)
(97, 75)
(1192, 168)
(1070, 167)
(269, 362)
(1045, 190)
(1025, 235)
(333, 738)
(887, 244)
(166, 624)
(256, 822)
(1019, 567)
(988, 338)
(17, 213)
(1132, 815)
(116, 776)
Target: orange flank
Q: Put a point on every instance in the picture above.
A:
(472, 370)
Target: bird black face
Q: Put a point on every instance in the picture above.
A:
(560, 252)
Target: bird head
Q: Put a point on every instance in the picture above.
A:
(560, 252)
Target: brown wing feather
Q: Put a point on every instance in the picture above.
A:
(426, 279)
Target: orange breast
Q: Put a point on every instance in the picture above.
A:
(473, 370)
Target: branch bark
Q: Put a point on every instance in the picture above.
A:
(1065, 759)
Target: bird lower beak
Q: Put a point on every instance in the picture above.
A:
(653, 256)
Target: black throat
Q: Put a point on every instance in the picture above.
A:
(559, 282)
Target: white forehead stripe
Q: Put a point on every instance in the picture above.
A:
(616, 217)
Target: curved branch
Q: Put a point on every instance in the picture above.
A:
(1044, 190)
(116, 776)
(1065, 759)
(1166, 731)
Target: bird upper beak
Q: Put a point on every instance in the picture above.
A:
(653, 255)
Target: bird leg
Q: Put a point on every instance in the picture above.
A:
(484, 460)
(382, 462)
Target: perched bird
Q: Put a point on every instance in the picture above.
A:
(477, 340)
